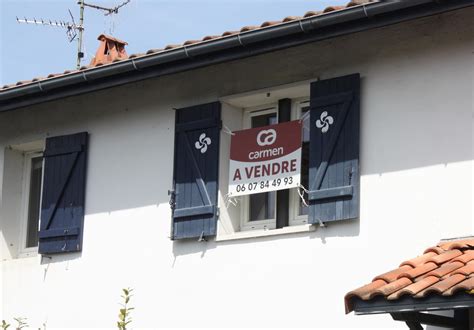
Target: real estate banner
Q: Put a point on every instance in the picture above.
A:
(265, 159)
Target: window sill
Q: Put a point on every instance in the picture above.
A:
(28, 253)
(265, 233)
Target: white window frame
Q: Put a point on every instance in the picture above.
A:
(25, 198)
(245, 223)
(295, 218)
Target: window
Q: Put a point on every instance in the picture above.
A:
(202, 203)
(33, 177)
(43, 194)
(259, 210)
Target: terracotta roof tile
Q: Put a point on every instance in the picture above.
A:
(441, 286)
(367, 291)
(467, 270)
(448, 255)
(419, 270)
(460, 244)
(414, 288)
(466, 257)
(419, 260)
(312, 13)
(466, 285)
(435, 249)
(442, 270)
(393, 274)
(446, 269)
(124, 56)
(392, 287)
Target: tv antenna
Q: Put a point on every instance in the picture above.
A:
(74, 30)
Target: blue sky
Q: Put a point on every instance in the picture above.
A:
(29, 51)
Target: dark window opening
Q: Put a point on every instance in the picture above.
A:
(36, 175)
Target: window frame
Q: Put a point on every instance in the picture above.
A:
(245, 223)
(297, 219)
(28, 156)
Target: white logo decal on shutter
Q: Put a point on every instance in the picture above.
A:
(324, 122)
(203, 143)
(266, 137)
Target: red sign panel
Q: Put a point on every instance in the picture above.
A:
(265, 159)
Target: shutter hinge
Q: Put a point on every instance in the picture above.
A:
(172, 201)
(202, 238)
(218, 212)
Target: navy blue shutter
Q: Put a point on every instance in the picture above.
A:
(196, 170)
(334, 149)
(62, 203)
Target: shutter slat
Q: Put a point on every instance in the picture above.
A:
(330, 193)
(62, 206)
(196, 171)
(59, 232)
(199, 124)
(192, 211)
(62, 151)
(334, 149)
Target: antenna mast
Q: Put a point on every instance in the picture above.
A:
(72, 28)
(80, 54)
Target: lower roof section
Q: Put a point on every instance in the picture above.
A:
(441, 278)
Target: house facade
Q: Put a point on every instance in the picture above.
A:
(102, 160)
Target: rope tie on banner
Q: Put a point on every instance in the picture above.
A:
(230, 200)
(304, 116)
(227, 130)
(301, 194)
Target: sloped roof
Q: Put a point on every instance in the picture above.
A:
(208, 38)
(443, 270)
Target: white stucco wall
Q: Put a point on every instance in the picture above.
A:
(416, 188)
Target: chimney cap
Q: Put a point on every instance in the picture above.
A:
(107, 37)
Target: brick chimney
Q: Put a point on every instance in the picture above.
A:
(109, 50)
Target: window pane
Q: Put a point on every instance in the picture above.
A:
(262, 206)
(34, 202)
(303, 210)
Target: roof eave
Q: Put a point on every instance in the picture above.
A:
(381, 305)
(332, 24)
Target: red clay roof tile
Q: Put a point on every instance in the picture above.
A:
(419, 260)
(443, 257)
(414, 288)
(419, 270)
(466, 285)
(443, 270)
(390, 288)
(466, 257)
(459, 244)
(446, 268)
(467, 270)
(435, 249)
(367, 291)
(393, 274)
(441, 286)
